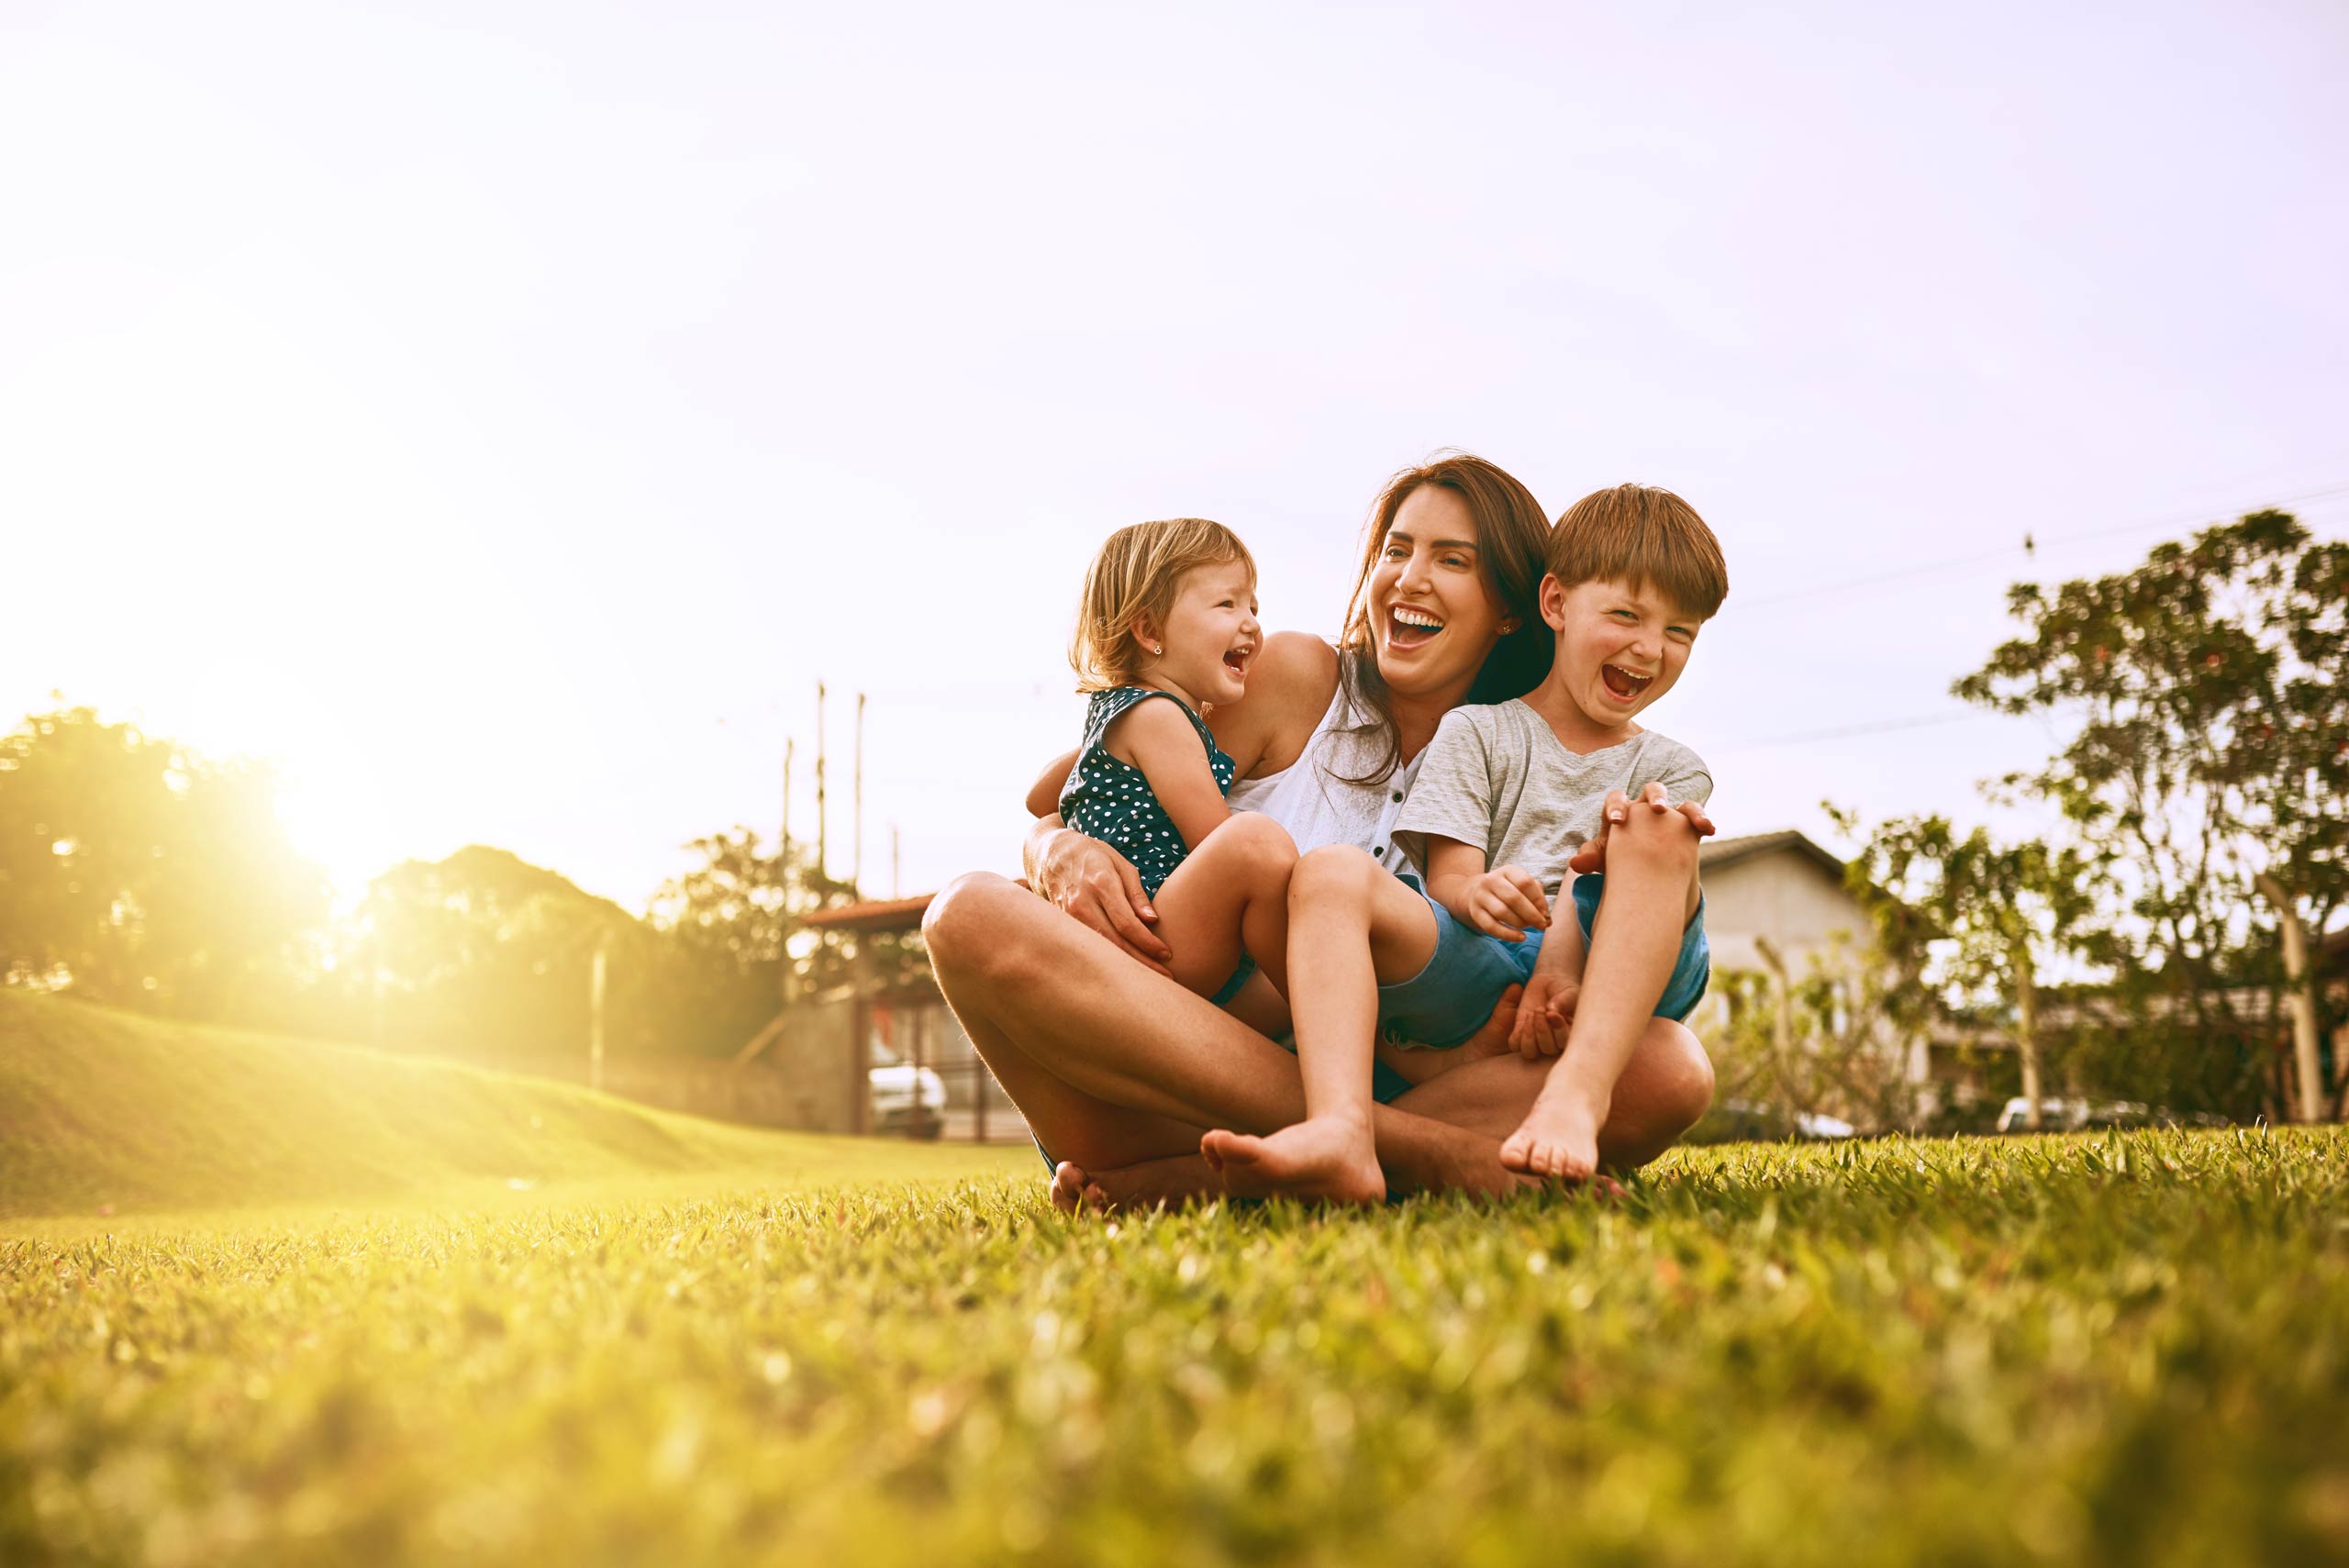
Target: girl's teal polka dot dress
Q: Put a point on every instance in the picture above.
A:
(1110, 799)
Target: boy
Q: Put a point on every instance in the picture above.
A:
(1510, 802)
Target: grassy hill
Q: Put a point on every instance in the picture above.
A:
(102, 1110)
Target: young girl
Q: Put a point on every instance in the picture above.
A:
(1169, 613)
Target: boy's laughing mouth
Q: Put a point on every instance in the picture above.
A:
(1622, 684)
(1409, 626)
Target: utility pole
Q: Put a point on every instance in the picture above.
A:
(783, 916)
(895, 891)
(596, 974)
(856, 856)
(823, 826)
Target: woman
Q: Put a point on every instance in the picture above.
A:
(1119, 1069)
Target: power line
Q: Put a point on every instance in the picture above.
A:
(1847, 731)
(2028, 549)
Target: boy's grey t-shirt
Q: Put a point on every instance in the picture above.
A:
(1500, 777)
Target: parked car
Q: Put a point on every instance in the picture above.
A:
(2072, 1116)
(907, 1099)
(1757, 1121)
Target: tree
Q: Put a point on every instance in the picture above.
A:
(740, 909)
(485, 953)
(2001, 914)
(2208, 692)
(1835, 1038)
(135, 872)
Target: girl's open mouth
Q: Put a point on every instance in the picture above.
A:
(1408, 626)
(1623, 683)
(1236, 660)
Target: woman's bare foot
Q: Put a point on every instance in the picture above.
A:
(1559, 1137)
(1324, 1159)
(1147, 1183)
(1072, 1192)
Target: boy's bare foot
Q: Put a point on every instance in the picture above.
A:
(1559, 1137)
(1327, 1160)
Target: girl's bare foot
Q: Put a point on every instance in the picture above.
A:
(1559, 1137)
(1324, 1159)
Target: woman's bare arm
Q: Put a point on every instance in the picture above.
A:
(1289, 688)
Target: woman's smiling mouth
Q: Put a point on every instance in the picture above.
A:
(1409, 626)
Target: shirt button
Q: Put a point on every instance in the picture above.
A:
(1397, 797)
(1378, 850)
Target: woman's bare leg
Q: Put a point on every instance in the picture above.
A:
(1066, 997)
(1352, 926)
(1667, 1086)
(1108, 1060)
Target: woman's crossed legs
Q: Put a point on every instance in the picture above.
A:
(1121, 1071)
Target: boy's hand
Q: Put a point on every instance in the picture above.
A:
(1544, 1015)
(1506, 902)
(1592, 856)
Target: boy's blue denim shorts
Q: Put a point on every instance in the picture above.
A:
(1449, 999)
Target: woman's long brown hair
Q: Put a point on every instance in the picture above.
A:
(1512, 541)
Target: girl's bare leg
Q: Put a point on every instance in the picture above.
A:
(1229, 896)
(1352, 926)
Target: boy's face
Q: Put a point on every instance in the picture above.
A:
(1621, 646)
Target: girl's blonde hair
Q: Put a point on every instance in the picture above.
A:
(1136, 575)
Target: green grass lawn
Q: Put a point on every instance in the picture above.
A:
(2123, 1350)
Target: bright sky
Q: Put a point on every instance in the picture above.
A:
(503, 415)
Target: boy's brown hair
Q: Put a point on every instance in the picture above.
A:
(1136, 575)
(1637, 533)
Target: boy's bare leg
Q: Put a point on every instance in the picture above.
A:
(1228, 898)
(1352, 926)
(1652, 894)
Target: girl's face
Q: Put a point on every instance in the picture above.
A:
(1433, 615)
(1210, 638)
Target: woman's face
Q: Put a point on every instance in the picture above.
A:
(1433, 617)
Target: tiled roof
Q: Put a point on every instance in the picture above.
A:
(1716, 854)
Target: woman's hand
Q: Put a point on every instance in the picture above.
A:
(1100, 887)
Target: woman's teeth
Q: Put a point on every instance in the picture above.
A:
(1408, 624)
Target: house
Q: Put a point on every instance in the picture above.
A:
(1780, 887)
(1781, 892)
